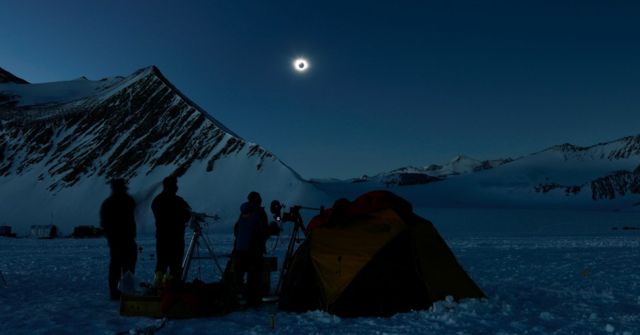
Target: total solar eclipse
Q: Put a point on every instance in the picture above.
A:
(301, 65)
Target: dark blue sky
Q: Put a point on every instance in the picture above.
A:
(392, 83)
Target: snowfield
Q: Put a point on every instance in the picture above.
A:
(553, 282)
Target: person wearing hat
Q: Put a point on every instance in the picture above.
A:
(251, 234)
(171, 213)
(118, 221)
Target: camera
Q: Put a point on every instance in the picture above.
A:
(198, 218)
(293, 215)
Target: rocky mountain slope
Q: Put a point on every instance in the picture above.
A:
(61, 142)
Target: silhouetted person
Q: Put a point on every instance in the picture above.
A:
(251, 234)
(171, 213)
(119, 224)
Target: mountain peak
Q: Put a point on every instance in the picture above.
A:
(566, 147)
(154, 71)
(7, 77)
(151, 69)
(462, 158)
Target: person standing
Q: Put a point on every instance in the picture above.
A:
(171, 214)
(251, 234)
(118, 221)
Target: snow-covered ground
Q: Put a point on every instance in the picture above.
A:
(541, 274)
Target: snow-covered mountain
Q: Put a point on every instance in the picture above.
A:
(602, 176)
(431, 173)
(61, 142)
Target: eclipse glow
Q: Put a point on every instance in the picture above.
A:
(300, 65)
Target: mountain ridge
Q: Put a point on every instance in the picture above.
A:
(603, 176)
(630, 145)
(8, 77)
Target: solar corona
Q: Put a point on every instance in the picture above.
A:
(300, 65)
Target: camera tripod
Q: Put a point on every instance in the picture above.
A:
(298, 226)
(291, 248)
(194, 245)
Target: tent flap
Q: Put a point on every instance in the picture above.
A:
(340, 252)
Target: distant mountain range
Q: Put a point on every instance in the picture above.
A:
(61, 142)
(602, 176)
(431, 173)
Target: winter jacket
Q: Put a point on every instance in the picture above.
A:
(251, 229)
(171, 213)
(117, 217)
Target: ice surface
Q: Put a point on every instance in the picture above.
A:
(558, 283)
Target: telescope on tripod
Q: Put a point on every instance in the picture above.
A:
(195, 223)
(293, 216)
(200, 241)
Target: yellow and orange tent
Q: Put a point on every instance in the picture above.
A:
(372, 257)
